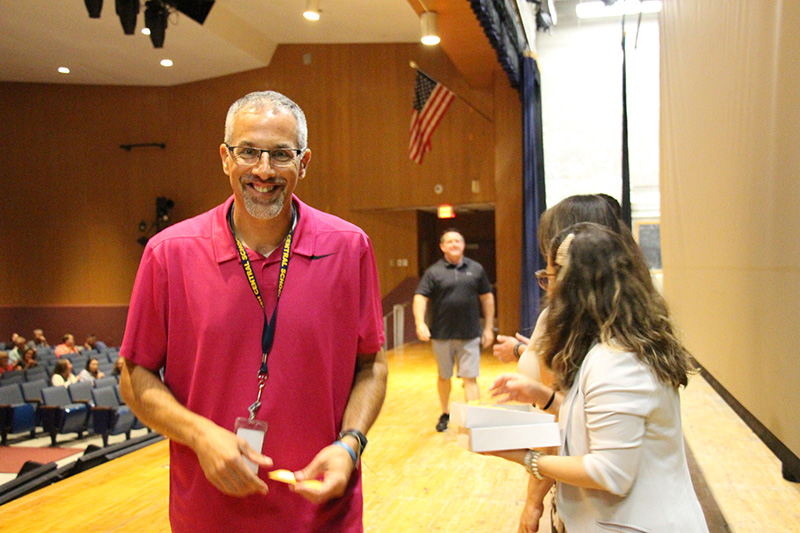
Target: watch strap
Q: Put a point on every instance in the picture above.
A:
(360, 437)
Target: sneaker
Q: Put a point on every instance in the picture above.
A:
(443, 421)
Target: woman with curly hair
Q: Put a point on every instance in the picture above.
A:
(618, 365)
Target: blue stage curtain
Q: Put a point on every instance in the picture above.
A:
(504, 33)
(534, 201)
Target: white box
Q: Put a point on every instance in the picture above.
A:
(479, 416)
(482, 428)
(491, 439)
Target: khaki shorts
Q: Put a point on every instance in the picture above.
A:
(465, 353)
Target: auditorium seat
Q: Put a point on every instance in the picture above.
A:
(137, 424)
(110, 418)
(36, 373)
(80, 392)
(32, 390)
(32, 394)
(105, 366)
(108, 381)
(16, 416)
(60, 415)
(14, 376)
(78, 362)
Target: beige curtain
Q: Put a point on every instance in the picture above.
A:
(730, 196)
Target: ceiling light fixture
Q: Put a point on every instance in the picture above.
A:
(312, 10)
(602, 9)
(430, 32)
(63, 70)
(166, 63)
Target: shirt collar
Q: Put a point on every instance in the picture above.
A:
(225, 246)
(458, 265)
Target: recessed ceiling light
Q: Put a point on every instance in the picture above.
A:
(166, 62)
(63, 70)
(145, 31)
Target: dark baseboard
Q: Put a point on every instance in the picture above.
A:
(105, 321)
(790, 462)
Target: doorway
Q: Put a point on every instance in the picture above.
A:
(477, 227)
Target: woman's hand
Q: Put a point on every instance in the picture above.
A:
(531, 514)
(519, 388)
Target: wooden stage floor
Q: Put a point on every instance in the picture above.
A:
(416, 479)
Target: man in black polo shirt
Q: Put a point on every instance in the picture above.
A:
(458, 290)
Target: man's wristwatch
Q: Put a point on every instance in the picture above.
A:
(516, 349)
(356, 434)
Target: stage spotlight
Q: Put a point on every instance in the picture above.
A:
(155, 19)
(197, 10)
(128, 10)
(163, 207)
(94, 7)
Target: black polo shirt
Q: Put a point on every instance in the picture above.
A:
(453, 302)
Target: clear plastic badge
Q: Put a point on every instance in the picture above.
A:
(252, 431)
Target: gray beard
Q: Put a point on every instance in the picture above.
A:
(264, 211)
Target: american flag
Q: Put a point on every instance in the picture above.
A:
(431, 100)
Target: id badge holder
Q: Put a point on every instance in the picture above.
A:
(252, 431)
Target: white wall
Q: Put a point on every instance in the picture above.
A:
(581, 69)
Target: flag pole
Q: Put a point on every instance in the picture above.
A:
(415, 66)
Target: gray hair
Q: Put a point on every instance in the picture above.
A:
(265, 99)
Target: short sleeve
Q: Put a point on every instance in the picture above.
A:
(371, 335)
(145, 339)
(426, 285)
(483, 285)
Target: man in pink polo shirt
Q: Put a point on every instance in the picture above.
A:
(287, 297)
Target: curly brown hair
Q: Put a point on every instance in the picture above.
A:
(601, 294)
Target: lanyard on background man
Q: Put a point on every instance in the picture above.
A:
(268, 332)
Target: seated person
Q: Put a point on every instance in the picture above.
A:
(5, 364)
(62, 374)
(38, 340)
(67, 346)
(29, 359)
(15, 355)
(94, 345)
(118, 364)
(91, 372)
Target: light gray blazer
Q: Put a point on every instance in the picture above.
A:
(627, 426)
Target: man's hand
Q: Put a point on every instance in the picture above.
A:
(504, 349)
(487, 338)
(423, 333)
(335, 466)
(220, 455)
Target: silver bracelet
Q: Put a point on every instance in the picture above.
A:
(532, 463)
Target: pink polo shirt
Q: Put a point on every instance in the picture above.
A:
(192, 311)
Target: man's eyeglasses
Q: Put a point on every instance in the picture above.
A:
(248, 155)
(543, 278)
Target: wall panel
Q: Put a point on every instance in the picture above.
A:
(508, 206)
(72, 238)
